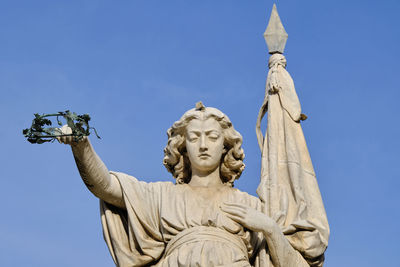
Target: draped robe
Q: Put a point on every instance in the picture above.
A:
(171, 225)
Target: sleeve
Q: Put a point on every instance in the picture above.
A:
(133, 235)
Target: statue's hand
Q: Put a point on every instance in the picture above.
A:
(68, 140)
(248, 217)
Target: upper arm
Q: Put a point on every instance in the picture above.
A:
(112, 193)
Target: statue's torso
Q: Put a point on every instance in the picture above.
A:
(198, 233)
(175, 225)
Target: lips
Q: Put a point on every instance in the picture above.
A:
(203, 155)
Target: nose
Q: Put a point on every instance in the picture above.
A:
(203, 144)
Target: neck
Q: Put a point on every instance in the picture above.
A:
(206, 179)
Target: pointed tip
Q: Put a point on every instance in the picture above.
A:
(274, 10)
(200, 106)
(275, 34)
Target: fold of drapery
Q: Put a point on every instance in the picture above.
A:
(135, 237)
(288, 185)
(132, 234)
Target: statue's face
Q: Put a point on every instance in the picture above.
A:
(204, 144)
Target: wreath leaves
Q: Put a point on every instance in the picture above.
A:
(39, 133)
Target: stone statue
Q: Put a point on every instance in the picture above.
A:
(202, 220)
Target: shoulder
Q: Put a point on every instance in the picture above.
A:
(246, 198)
(245, 194)
(126, 179)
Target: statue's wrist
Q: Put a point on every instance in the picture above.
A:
(80, 146)
(270, 227)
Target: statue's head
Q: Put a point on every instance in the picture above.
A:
(204, 138)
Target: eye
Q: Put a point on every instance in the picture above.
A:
(192, 138)
(213, 136)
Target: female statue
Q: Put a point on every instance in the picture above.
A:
(199, 221)
(202, 220)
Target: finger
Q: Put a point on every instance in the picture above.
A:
(65, 138)
(233, 211)
(235, 218)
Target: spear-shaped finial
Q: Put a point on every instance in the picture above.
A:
(275, 34)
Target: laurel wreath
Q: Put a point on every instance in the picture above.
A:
(41, 131)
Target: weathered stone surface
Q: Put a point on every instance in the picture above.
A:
(201, 220)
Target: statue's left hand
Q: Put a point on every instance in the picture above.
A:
(281, 252)
(248, 217)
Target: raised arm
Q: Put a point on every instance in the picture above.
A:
(94, 172)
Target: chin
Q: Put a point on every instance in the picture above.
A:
(207, 167)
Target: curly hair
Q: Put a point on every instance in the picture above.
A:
(175, 155)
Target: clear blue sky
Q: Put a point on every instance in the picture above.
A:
(136, 66)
